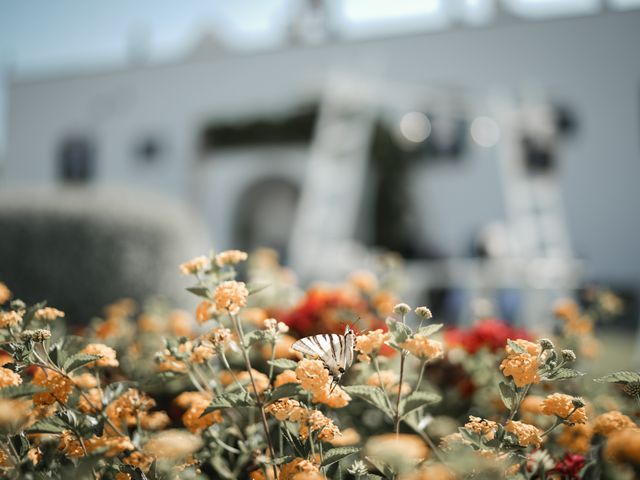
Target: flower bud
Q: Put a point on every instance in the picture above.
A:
(424, 312)
(401, 309)
(577, 402)
(546, 344)
(38, 336)
(568, 356)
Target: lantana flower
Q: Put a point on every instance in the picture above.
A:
(523, 367)
(564, 406)
(231, 296)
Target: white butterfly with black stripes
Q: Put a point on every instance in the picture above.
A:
(336, 351)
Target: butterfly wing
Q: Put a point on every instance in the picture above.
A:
(349, 346)
(325, 347)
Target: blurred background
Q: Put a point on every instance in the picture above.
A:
(493, 144)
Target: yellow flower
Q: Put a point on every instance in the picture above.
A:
(5, 293)
(126, 409)
(624, 446)
(9, 319)
(108, 355)
(231, 296)
(610, 422)
(482, 426)
(9, 378)
(48, 314)
(196, 403)
(114, 445)
(172, 444)
(423, 347)
(139, 460)
(194, 265)
(154, 420)
(562, 406)
(91, 401)
(262, 381)
(531, 405)
(527, 434)
(523, 367)
(230, 257)
(203, 352)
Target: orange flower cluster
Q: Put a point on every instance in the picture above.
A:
(370, 344)
(172, 444)
(523, 367)
(482, 427)
(111, 445)
(230, 257)
(58, 387)
(205, 311)
(128, 407)
(389, 381)
(310, 420)
(624, 446)
(315, 379)
(576, 438)
(9, 378)
(287, 376)
(48, 314)
(107, 354)
(195, 265)
(262, 381)
(140, 460)
(5, 293)
(10, 319)
(300, 469)
(527, 434)
(610, 422)
(562, 406)
(231, 296)
(195, 404)
(423, 347)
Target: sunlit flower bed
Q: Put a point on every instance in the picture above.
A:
(155, 393)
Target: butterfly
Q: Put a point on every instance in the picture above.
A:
(335, 351)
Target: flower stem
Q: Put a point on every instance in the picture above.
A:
(422, 369)
(259, 403)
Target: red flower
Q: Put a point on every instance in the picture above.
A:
(491, 333)
(570, 466)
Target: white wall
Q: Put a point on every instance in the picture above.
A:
(590, 63)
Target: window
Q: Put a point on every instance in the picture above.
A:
(76, 160)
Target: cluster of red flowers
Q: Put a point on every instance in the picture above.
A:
(326, 309)
(490, 333)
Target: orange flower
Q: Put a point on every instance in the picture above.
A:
(435, 471)
(5, 293)
(195, 404)
(482, 426)
(48, 314)
(205, 311)
(610, 422)
(58, 387)
(348, 437)
(9, 378)
(154, 420)
(283, 348)
(139, 460)
(576, 438)
(195, 265)
(531, 405)
(364, 280)
(527, 434)
(202, 353)
(288, 376)
(262, 381)
(180, 324)
(423, 347)
(10, 319)
(128, 407)
(389, 382)
(315, 379)
(624, 446)
(523, 367)
(231, 296)
(108, 355)
(300, 469)
(370, 343)
(91, 401)
(172, 444)
(230, 257)
(401, 447)
(562, 406)
(282, 409)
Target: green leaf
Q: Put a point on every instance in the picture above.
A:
(508, 395)
(384, 468)
(23, 390)
(253, 337)
(200, 292)
(371, 395)
(286, 390)
(430, 329)
(79, 360)
(279, 460)
(416, 400)
(229, 400)
(48, 425)
(257, 287)
(515, 347)
(336, 454)
(619, 377)
(283, 363)
(562, 374)
(398, 330)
